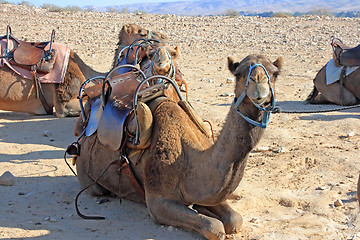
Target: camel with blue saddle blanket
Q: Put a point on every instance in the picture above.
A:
(166, 159)
(338, 82)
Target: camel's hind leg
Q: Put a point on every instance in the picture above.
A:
(169, 212)
(231, 219)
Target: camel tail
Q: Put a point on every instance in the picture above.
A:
(312, 95)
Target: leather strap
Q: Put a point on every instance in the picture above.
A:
(342, 78)
(129, 172)
(39, 92)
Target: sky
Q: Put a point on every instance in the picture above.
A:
(82, 3)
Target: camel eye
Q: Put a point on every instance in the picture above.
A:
(142, 33)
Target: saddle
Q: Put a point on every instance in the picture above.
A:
(344, 55)
(34, 56)
(122, 106)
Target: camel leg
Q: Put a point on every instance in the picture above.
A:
(169, 212)
(231, 219)
(85, 180)
(332, 93)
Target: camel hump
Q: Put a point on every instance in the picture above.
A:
(195, 118)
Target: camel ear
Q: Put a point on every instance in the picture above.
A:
(127, 29)
(279, 63)
(176, 53)
(232, 66)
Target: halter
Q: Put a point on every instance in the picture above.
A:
(171, 73)
(267, 110)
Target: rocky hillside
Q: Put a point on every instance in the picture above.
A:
(218, 7)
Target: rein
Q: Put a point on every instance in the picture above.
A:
(279, 110)
(267, 110)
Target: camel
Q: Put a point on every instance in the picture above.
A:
(331, 94)
(185, 177)
(347, 93)
(18, 94)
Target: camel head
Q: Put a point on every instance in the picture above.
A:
(163, 59)
(131, 32)
(255, 81)
(337, 46)
(256, 76)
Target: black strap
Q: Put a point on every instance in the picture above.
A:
(342, 78)
(92, 184)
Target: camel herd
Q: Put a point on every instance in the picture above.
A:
(182, 174)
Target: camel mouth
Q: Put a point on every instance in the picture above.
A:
(259, 101)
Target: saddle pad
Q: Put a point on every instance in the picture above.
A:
(55, 76)
(333, 72)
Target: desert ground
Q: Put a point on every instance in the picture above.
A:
(303, 165)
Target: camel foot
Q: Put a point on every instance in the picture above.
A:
(169, 212)
(231, 219)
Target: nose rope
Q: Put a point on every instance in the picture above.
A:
(267, 110)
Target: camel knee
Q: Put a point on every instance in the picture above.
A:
(349, 99)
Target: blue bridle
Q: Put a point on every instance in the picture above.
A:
(267, 110)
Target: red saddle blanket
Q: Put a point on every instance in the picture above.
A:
(56, 75)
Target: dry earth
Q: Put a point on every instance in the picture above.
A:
(284, 195)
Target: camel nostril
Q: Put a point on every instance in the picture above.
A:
(259, 98)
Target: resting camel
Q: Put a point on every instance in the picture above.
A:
(157, 59)
(186, 178)
(18, 94)
(347, 93)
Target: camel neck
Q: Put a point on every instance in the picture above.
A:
(86, 70)
(231, 150)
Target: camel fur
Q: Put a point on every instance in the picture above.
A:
(186, 177)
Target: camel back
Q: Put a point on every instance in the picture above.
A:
(346, 56)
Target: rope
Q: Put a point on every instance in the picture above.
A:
(279, 110)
